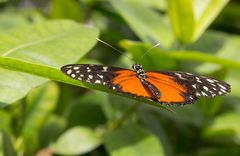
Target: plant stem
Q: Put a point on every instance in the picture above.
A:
(118, 122)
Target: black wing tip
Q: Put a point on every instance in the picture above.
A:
(64, 68)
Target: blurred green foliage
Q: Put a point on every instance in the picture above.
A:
(43, 117)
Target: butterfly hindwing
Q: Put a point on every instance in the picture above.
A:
(190, 86)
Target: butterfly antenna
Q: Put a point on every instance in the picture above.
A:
(112, 47)
(156, 45)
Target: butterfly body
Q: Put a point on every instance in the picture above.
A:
(171, 87)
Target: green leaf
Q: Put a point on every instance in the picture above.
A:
(225, 125)
(181, 16)
(51, 44)
(189, 19)
(76, 141)
(132, 140)
(147, 24)
(41, 103)
(205, 12)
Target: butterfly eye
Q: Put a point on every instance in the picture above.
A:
(137, 66)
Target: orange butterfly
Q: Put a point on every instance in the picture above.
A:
(168, 87)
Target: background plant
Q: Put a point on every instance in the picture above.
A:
(42, 114)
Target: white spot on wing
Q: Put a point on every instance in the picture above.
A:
(76, 68)
(105, 68)
(98, 81)
(73, 75)
(205, 88)
(194, 86)
(101, 76)
(69, 71)
(90, 76)
(198, 94)
(210, 80)
(79, 78)
(204, 94)
(180, 76)
(199, 81)
(189, 73)
(223, 87)
(224, 91)
(213, 84)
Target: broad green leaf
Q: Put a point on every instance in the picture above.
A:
(132, 140)
(51, 44)
(181, 15)
(76, 141)
(41, 103)
(205, 12)
(147, 24)
(225, 125)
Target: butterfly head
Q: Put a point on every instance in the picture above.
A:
(139, 70)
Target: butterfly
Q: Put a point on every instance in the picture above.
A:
(169, 87)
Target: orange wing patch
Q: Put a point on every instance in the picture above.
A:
(129, 83)
(170, 90)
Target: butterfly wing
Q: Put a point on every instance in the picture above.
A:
(174, 87)
(117, 79)
(185, 88)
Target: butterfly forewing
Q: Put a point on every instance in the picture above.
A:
(94, 74)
